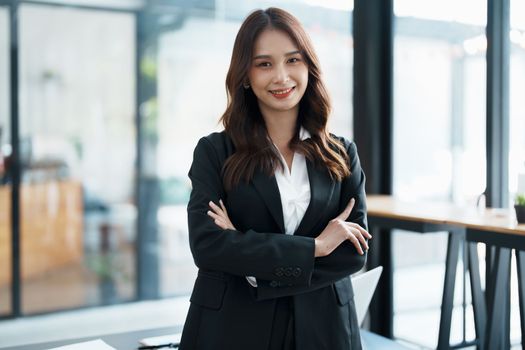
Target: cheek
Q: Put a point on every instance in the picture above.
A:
(304, 80)
(305, 76)
(256, 77)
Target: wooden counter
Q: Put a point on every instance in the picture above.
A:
(51, 228)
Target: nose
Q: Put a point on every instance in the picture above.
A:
(281, 74)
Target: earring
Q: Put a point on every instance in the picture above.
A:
(246, 85)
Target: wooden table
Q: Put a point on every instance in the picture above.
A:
(386, 212)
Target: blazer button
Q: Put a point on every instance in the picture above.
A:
(297, 272)
(278, 271)
(274, 284)
(288, 272)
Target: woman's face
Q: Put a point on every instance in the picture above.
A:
(278, 74)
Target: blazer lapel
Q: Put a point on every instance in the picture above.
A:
(267, 188)
(321, 191)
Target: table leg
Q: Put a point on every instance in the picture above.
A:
(478, 300)
(447, 304)
(506, 315)
(382, 306)
(498, 288)
(520, 262)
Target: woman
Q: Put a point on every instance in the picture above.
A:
(277, 214)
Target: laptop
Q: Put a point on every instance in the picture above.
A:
(364, 286)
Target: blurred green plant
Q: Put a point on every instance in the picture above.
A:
(520, 200)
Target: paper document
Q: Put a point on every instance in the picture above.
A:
(163, 339)
(89, 345)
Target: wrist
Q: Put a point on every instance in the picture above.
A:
(319, 248)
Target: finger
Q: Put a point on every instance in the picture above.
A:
(364, 232)
(213, 215)
(221, 224)
(218, 211)
(346, 213)
(359, 237)
(223, 206)
(215, 207)
(356, 243)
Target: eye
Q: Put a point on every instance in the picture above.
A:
(263, 64)
(294, 60)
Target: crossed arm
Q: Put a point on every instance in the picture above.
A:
(336, 232)
(339, 250)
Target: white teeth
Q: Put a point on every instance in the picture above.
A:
(282, 92)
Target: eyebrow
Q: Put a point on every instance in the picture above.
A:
(269, 56)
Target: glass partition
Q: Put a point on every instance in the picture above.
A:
(78, 153)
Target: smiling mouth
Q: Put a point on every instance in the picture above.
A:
(282, 93)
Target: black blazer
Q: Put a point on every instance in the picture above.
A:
(225, 311)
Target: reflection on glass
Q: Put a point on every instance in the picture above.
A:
(191, 69)
(439, 143)
(517, 103)
(77, 148)
(5, 150)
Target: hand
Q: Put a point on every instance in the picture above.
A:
(220, 216)
(339, 230)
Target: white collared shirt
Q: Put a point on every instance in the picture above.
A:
(294, 190)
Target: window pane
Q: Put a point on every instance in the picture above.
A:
(517, 104)
(77, 139)
(439, 105)
(439, 142)
(5, 151)
(191, 69)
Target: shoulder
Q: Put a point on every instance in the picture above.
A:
(217, 143)
(216, 138)
(348, 145)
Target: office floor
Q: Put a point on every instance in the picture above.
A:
(416, 320)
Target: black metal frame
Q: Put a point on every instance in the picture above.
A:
(15, 171)
(373, 62)
(498, 58)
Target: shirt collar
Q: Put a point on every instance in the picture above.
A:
(304, 134)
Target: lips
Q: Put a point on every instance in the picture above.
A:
(282, 93)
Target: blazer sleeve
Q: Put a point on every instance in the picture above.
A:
(344, 260)
(265, 256)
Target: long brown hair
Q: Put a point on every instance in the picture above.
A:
(244, 123)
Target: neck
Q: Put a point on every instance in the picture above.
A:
(281, 126)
